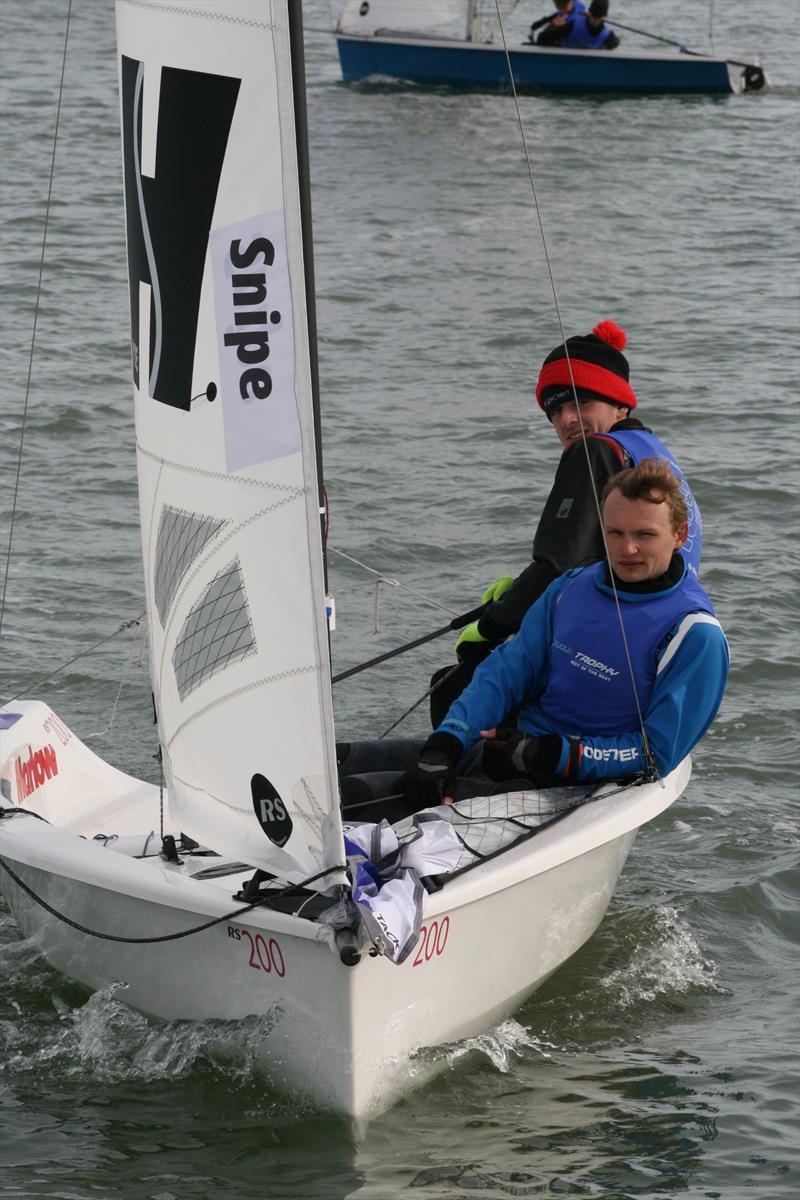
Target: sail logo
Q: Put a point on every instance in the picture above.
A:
(249, 303)
(168, 213)
(32, 772)
(256, 345)
(270, 811)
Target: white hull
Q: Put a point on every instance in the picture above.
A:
(509, 924)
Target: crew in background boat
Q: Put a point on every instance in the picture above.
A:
(584, 31)
(594, 704)
(569, 534)
(565, 11)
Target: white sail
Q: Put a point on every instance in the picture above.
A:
(225, 429)
(448, 17)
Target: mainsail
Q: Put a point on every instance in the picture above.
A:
(461, 19)
(225, 425)
(447, 17)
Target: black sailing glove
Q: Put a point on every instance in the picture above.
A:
(512, 754)
(433, 776)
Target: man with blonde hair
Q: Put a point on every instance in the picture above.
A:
(618, 669)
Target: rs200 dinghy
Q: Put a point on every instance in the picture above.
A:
(232, 891)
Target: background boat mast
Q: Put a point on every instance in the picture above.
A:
(473, 20)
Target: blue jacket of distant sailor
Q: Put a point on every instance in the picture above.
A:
(581, 36)
(568, 671)
(641, 444)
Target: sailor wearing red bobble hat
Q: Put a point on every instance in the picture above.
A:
(584, 390)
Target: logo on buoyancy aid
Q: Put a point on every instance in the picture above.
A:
(594, 666)
(32, 772)
(270, 811)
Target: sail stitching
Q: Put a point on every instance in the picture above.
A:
(199, 12)
(313, 817)
(293, 490)
(242, 691)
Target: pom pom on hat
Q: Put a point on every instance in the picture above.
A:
(596, 368)
(610, 332)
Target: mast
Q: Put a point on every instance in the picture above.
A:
(473, 20)
(304, 177)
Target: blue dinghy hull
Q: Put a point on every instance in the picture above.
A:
(478, 65)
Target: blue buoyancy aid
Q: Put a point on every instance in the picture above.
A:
(641, 444)
(589, 684)
(582, 37)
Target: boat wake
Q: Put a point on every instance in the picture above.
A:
(664, 960)
(501, 1046)
(104, 1041)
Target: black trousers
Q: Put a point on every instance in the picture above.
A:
(371, 778)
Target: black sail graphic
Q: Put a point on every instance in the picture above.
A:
(169, 216)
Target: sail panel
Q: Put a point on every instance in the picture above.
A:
(181, 537)
(448, 17)
(225, 429)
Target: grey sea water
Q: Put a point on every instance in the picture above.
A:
(662, 1060)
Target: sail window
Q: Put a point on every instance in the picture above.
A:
(181, 537)
(217, 632)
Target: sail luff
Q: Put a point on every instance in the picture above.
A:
(304, 177)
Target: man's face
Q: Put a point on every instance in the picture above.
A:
(640, 537)
(596, 416)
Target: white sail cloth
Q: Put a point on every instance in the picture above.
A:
(387, 876)
(413, 16)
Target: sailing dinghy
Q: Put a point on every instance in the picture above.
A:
(229, 892)
(453, 43)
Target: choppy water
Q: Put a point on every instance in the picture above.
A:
(662, 1059)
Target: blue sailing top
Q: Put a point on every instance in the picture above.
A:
(582, 37)
(564, 668)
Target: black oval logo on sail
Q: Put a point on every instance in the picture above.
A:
(270, 811)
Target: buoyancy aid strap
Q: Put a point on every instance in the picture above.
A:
(611, 441)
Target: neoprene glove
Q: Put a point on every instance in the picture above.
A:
(470, 638)
(512, 754)
(497, 589)
(433, 776)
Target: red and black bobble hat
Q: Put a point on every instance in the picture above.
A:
(599, 368)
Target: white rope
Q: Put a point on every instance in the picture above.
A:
(382, 578)
(123, 679)
(646, 745)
